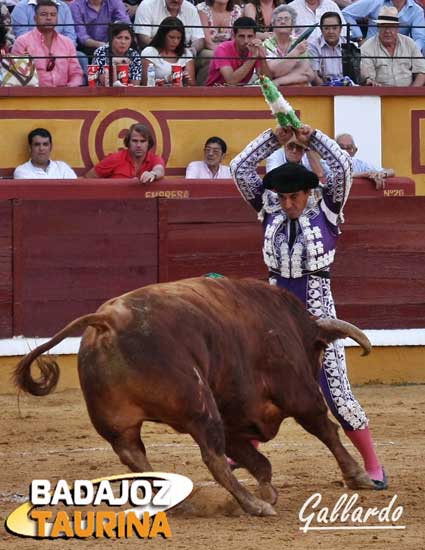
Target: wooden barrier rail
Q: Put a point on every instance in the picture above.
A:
(64, 249)
(169, 188)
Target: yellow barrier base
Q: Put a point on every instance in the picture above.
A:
(385, 365)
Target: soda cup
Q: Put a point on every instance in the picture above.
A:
(106, 72)
(176, 75)
(123, 73)
(92, 75)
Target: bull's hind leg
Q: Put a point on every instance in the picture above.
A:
(317, 423)
(245, 454)
(131, 450)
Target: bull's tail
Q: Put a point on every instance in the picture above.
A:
(49, 369)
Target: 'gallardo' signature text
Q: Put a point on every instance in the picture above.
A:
(346, 515)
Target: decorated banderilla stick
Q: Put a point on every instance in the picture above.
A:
(280, 108)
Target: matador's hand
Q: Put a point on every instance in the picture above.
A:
(284, 134)
(304, 134)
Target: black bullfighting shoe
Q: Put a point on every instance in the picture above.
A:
(380, 485)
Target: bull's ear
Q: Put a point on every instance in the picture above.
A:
(322, 341)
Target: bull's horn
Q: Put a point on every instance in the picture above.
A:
(347, 330)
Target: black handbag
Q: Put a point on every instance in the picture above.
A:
(351, 57)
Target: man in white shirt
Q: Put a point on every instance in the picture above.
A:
(296, 152)
(40, 166)
(210, 168)
(361, 168)
(150, 14)
(309, 13)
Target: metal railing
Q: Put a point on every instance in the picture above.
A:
(81, 56)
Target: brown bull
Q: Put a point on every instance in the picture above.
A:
(220, 359)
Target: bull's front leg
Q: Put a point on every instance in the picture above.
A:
(247, 455)
(220, 469)
(318, 424)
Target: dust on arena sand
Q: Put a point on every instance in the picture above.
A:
(54, 439)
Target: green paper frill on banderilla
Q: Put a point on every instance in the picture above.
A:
(280, 108)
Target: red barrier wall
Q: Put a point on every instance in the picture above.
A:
(62, 257)
(379, 271)
(6, 280)
(70, 256)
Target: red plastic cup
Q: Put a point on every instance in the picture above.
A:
(123, 73)
(176, 75)
(92, 75)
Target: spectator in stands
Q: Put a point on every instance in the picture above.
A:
(40, 166)
(122, 50)
(411, 18)
(391, 58)
(54, 54)
(299, 153)
(291, 70)
(136, 161)
(150, 13)
(235, 60)
(217, 16)
(309, 13)
(23, 15)
(361, 168)
(23, 18)
(215, 149)
(92, 20)
(131, 7)
(3, 40)
(167, 48)
(261, 11)
(326, 51)
(6, 23)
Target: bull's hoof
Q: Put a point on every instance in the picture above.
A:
(268, 493)
(258, 507)
(360, 481)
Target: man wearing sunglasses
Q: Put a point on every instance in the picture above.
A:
(54, 54)
(300, 237)
(294, 151)
(215, 149)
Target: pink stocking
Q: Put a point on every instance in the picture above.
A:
(362, 440)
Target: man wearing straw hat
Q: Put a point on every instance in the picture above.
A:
(410, 14)
(390, 58)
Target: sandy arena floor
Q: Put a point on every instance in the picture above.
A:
(54, 439)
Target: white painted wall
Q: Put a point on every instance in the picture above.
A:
(360, 117)
(19, 345)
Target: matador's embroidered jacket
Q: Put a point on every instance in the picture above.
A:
(314, 247)
(304, 270)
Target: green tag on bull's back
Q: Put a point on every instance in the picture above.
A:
(213, 275)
